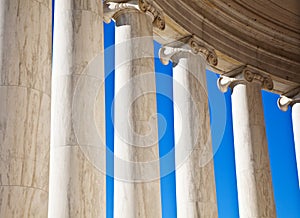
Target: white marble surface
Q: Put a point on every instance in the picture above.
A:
(254, 181)
(25, 72)
(77, 180)
(136, 185)
(195, 181)
(296, 130)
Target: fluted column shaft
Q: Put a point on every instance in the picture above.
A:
(195, 180)
(77, 187)
(25, 74)
(254, 181)
(136, 188)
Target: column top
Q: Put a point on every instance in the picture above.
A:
(113, 8)
(289, 99)
(243, 75)
(187, 45)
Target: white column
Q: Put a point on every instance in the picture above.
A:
(294, 101)
(25, 74)
(296, 129)
(195, 180)
(136, 165)
(254, 181)
(77, 185)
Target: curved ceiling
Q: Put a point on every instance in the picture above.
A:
(261, 33)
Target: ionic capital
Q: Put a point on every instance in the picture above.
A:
(224, 82)
(289, 99)
(112, 8)
(174, 51)
(167, 54)
(199, 48)
(244, 75)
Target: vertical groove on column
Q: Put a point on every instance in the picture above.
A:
(137, 188)
(195, 181)
(77, 155)
(254, 181)
(25, 72)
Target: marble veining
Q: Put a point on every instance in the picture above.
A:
(25, 75)
(136, 192)
(77, 180)
(195, 181)
(254, 181)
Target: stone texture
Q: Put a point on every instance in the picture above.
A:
(25, 43)
(254, 181)
(136, 185)
(79, 191)
(31, 202)
(195, 181)
(25, 72)
(77, 177)
(262, 34)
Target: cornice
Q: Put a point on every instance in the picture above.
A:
(235, 36)
(113, 8)
(244, 75)
(176, 50)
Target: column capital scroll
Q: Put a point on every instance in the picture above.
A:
(244, 75)
(289, 99)
(111, 9)
(198, 47)
(176, 50)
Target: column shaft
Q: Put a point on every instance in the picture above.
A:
(296, 130)
(136, 186)
(254, 181)
(77, 187)
(195, 181)
(25, 72)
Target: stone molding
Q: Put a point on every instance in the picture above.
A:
(210, 55)
(288, 99)
(176, 50)
(113, 8)
(244, 75)
(238, 38)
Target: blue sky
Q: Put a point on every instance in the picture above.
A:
(279, 134)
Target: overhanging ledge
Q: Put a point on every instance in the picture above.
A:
(264, 34)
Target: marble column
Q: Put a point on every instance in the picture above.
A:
(77, 184)
(25, 74)
(254, 181)
(195, 180)
(136, 164)
(293, 99)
